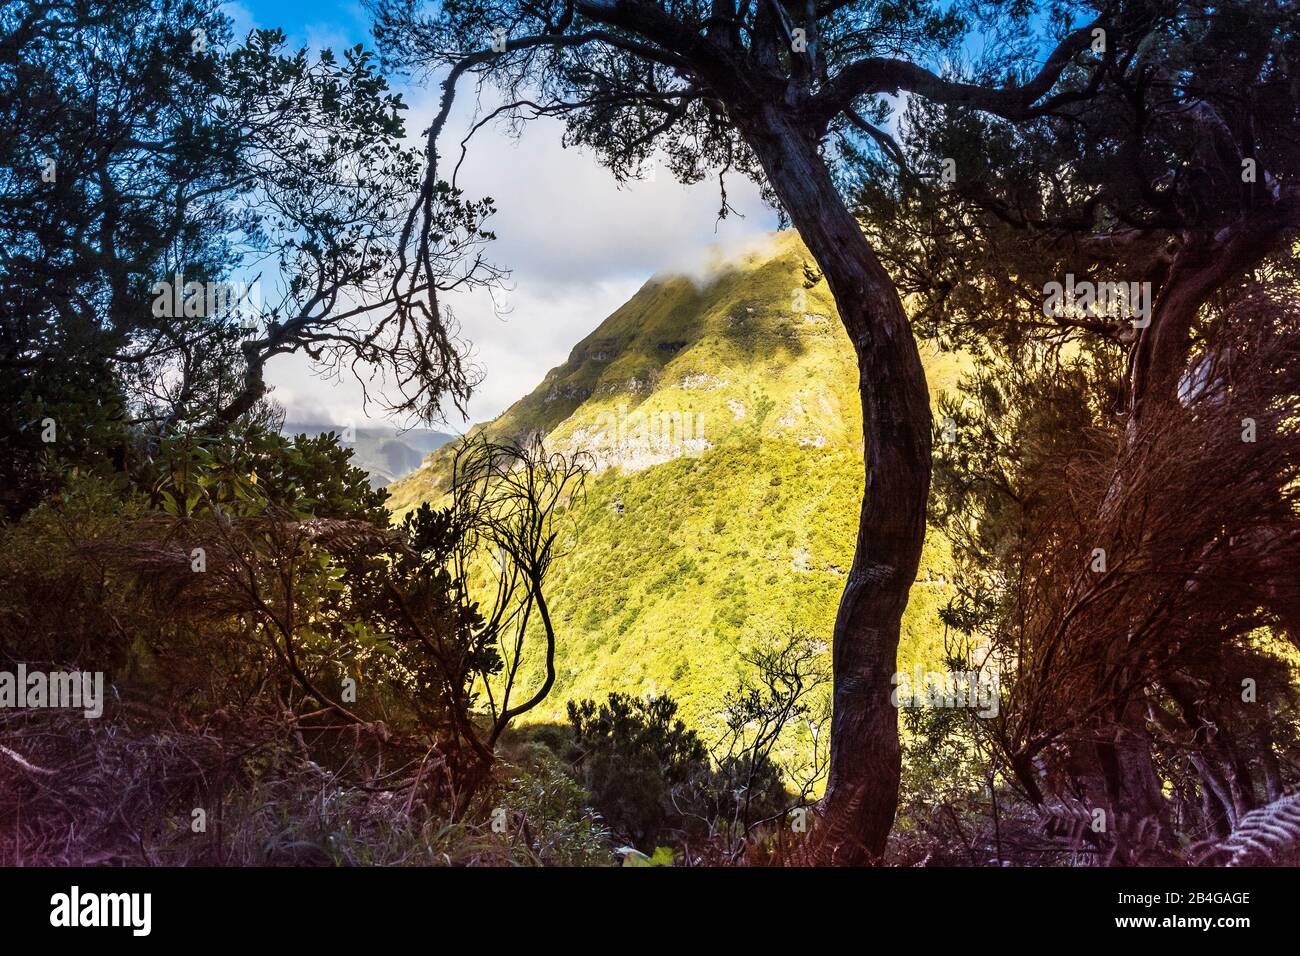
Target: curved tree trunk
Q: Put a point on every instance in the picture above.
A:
(862, 790)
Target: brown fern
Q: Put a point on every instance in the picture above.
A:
(1268, 836)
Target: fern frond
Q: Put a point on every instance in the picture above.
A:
(1268, 836)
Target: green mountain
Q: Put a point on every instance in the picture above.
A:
(723, 415)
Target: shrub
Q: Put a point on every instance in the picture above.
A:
(634, 755)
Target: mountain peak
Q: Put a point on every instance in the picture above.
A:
(722, 410)
(743, 346)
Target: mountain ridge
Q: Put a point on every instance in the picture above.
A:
(384, 452)
(722, 414)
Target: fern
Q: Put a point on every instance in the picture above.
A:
(1269, 836)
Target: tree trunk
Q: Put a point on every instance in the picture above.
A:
(861, 798)
(1273, 789)
(1157, 364)
(1137, 804)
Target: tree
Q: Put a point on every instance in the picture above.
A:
(634, 754)
(176, 209)
(782, 91)
(286, 546)
(464, 599)
(778, 703)
(1181, 172)
(1183, 608)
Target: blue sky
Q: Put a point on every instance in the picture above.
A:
(578, 245)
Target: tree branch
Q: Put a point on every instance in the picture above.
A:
(890, 75)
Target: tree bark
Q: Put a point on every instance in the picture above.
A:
(861, 797)
(1138, 807)
(1157, 364)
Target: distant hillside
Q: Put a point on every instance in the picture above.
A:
(385, 452)
(724, 417)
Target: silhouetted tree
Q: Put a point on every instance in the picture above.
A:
(177, 209)
(782, 91)
(1182, 171)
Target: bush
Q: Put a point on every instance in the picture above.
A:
(635, 757)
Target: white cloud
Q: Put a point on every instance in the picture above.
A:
(242, 20)
(578, 245)
(514, 351)
(563, 218)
